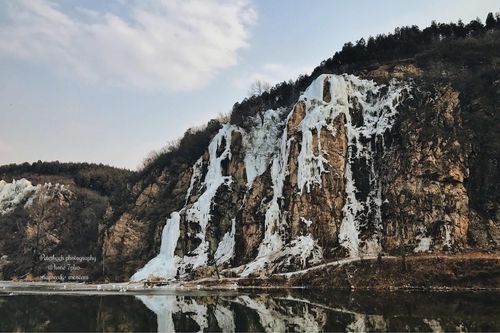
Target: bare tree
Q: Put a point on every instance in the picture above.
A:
(258, 87)
(224, 117)
(39, 215)
(402, 246)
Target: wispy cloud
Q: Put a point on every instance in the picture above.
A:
(170, 45)
(273, 73)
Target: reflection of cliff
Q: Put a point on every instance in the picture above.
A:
(121, 314)
(181, 313)
(323, 311)
(280, 311)
(233, 313)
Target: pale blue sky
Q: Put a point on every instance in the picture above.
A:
(109, 81)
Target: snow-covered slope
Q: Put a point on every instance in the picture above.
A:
(22, 192)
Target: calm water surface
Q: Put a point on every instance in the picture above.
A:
(281, 311)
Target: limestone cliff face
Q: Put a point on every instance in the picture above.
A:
(136, 236)
(388, 161)
(354, 168)
(425, 172)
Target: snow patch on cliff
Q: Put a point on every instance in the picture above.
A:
(424, 242)
(325, 99)
(306, 221)
(448, 239)
(199, 213)
(261, 142)
(304, 248)
(310, 165)
(14, 194)
(301, 252)
(48, 191)
(225, 249)
(195, 177)
(165, 265)
(22, 192)
(275, 221)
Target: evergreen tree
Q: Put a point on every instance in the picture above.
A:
(490, 21)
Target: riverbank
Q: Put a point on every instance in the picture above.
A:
(468, 271)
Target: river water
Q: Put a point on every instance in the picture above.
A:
(250, 311)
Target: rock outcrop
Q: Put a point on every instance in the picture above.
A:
(45, 226)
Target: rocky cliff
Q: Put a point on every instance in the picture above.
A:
(354, 169)
(395, 159)
(48, 220)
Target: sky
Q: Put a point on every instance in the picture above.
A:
(110, 81)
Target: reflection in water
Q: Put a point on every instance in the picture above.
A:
(163, 307)
(281, 311)
(330, 311)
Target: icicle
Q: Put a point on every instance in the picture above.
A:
(272, 241)
(378, 116)
(225, 249)
(196, 175)
(199, 213)
(448, 240)
(260, 143)
(263, 146)
(164, 264)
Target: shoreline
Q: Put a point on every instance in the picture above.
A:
(31, 288)
(424, 272)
